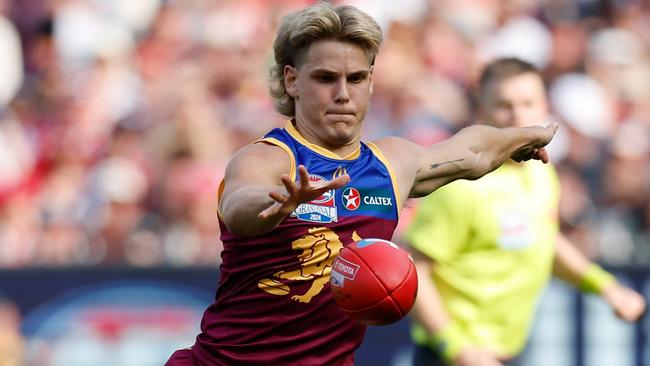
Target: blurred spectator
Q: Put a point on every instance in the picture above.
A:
(623, 222)
(11, 57)
(119, 187)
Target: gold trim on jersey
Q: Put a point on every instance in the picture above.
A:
(291, 129)
(222, 185)
(393, 177)
(272, 141)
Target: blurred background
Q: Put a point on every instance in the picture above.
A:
(118, 117)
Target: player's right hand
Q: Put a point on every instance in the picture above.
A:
(472, 356)
(294, 194)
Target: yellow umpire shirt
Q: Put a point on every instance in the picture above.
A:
(493, 242)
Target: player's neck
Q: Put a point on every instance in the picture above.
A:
(344, 152)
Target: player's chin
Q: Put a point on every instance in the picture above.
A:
(344, 128)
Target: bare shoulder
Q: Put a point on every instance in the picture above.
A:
(403, 156)
(400, 152)
(260, 162)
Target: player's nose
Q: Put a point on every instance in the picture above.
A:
(341, 92)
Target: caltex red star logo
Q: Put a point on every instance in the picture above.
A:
(351, 199)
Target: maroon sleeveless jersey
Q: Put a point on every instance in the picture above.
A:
(274, 305)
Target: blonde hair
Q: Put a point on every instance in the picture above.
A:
(322, 21)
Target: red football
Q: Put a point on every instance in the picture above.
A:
(374, 281)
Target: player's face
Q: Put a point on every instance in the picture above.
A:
(331, 88)
(518, 101)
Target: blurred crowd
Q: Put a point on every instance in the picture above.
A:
(117, 117)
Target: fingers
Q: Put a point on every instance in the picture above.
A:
(297, 193)
(278, 197)
(553, 126)
(281, 203)
(339, 182)
(541, 154)
(289, 184)
(551, 129)
(542, 135)
(304, 175)
(525, 153)
(528, 153)
(270, 211)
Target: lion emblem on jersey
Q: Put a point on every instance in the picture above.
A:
(317, 251)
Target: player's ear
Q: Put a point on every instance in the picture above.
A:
(290, 74)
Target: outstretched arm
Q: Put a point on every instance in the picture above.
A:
(573, 267)
(476, 151)
(259, 193)
(469, 154)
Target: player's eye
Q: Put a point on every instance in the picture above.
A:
(325, 78)
(357, 78)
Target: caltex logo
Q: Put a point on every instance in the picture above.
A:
(351, 199)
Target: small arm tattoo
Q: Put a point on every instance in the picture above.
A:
(436, 165)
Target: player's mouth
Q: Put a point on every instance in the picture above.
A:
(341, 115)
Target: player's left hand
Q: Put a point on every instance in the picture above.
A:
(540, 137)
(627, 304)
